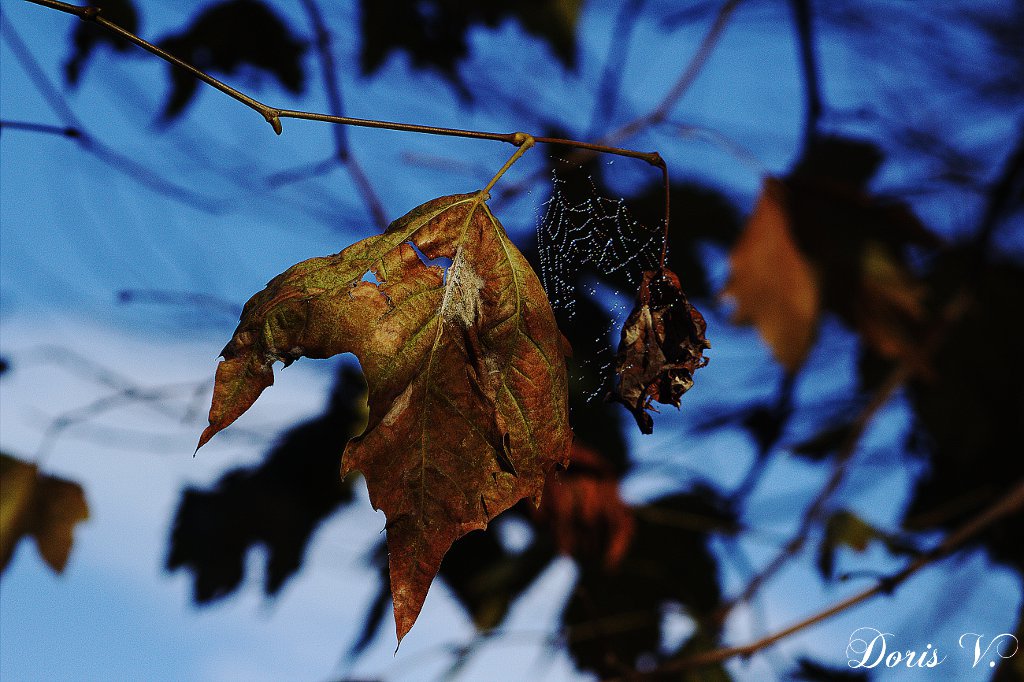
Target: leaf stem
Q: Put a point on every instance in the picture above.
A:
(525, 141)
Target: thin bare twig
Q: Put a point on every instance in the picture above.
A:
(273, 115)
(197, 300)
(1008, 185)
(682, 85)
(62, 131)
(152, 397)
(611, 75)
(87, 142)
(342, 149)
(814, 512)
(727, 144)
(809, 65)
(1011, 503)
(123, 391)
(657, 115)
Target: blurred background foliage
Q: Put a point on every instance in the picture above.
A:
(888, 233)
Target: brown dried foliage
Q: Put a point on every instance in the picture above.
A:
(465, 367)
(662, 345)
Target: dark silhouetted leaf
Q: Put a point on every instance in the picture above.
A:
(615, 617)
(465, 369)
(277, 505)
(434, 32)
(227, 36)
(486, 578)
(88, 35)
(43, 507)
(378, 559)
(662, 345)
(970, 414)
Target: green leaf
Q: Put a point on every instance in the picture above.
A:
(844, 528)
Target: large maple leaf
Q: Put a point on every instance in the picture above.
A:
(465, 367)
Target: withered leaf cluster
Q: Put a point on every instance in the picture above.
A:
(662, 345)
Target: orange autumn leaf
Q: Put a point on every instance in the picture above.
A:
(584, 511)
(465, 368)
(773, 284)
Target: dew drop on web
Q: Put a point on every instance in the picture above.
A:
(585, 244)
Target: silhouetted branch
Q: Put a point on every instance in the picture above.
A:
(1005, 196)
(802, 16)
(274, 115)
(342, 150)
(87, 142)
(686, 79)
(1006, 193)
(657, 115)
(185, 298)
(611, 75)
(1011, 503)
(814, 512)
(124, 391)
(62, 131)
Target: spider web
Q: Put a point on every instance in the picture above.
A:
(593, 246)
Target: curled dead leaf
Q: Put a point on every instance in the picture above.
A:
(467, 382)
(661, 346)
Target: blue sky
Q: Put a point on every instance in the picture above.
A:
(74, 232)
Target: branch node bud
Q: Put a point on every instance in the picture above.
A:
(520, 139)
(273, 118)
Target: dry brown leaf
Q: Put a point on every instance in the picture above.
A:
(467, 382)
(819, 240)
(661, 346)
(774, 285)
